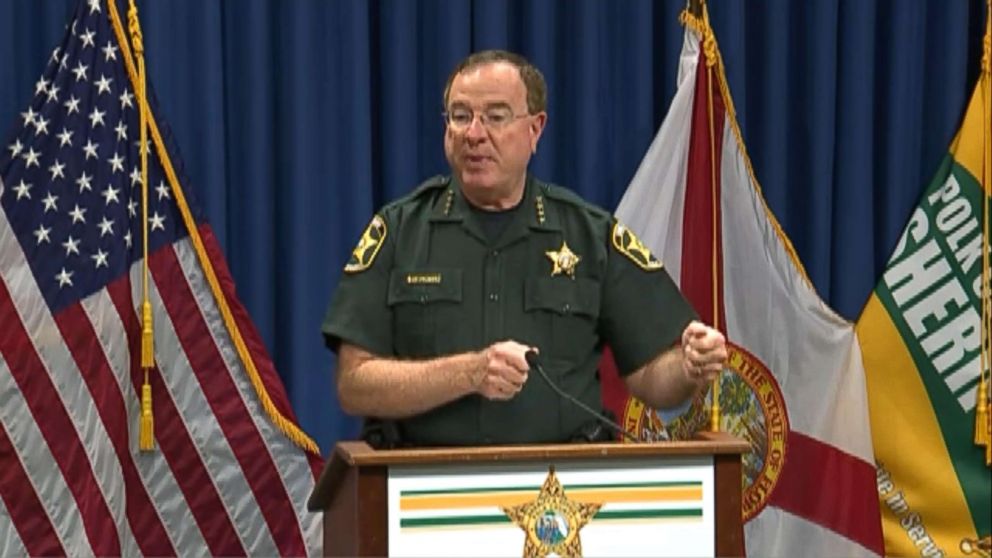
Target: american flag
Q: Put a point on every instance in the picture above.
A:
(226, 478)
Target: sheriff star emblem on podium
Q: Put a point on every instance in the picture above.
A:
(551, 522)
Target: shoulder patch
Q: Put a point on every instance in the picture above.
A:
(627, 243)
(368, 246)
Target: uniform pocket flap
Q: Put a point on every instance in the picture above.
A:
(424, 286)
(562, 295)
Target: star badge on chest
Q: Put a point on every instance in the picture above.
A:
(563, 260)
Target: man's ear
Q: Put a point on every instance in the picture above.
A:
(536, 129)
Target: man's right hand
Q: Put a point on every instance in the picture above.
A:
(374, 386)
(503, 371)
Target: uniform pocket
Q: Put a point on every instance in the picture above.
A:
(571, 307)
(424, 303)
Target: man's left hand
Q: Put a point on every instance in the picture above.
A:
(704, 352)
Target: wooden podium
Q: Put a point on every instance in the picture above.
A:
(665, 498)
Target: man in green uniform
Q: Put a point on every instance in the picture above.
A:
(450, 286)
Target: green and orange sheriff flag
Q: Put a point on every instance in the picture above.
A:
(925, 341)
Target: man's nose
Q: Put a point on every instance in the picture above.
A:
(476, 129)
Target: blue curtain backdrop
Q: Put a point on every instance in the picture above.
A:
(298, 118)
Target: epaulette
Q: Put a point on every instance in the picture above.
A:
(431, 184)
(436, 181)
(571, 198)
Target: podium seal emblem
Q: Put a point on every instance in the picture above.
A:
(551, 522)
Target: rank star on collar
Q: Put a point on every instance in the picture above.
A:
(563, 260)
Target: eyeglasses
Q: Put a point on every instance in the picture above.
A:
(493, 118)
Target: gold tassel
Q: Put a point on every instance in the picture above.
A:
(147, 336)
(988, 430)
(146, 426)
(146, 431)
(988, 454)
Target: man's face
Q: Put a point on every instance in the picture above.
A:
(493, 137)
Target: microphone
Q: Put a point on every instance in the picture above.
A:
(535, 363)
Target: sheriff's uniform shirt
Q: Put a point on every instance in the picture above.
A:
(564, 276)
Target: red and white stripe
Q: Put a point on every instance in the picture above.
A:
(10, 540)
(223, 479)
(825, 501)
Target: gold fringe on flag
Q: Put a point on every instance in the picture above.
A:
(146, 430)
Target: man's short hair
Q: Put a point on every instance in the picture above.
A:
(537, 90)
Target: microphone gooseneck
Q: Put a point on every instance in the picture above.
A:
(535, 364)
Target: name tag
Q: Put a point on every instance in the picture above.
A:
(423, 278)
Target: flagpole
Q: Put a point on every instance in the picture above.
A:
(983, 418)
(709, 45)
